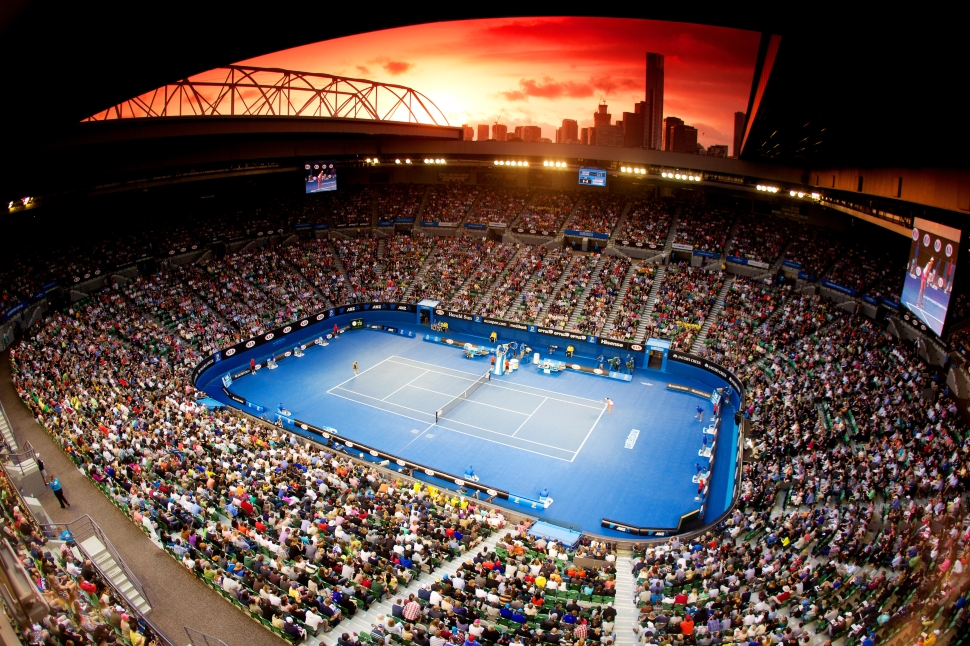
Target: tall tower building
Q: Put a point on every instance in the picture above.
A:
(653, 110)
(500, 132)
(469, 132)
(740, 121)
(483, 132)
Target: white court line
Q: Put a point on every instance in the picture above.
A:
(380, 400)
(488, 430)
(511, 446)
(490, 383)
(530, 416)
(357, 375)
(415, 438)
(469, 401)
(425, 363)
(407, 384)
(565, 401)
(590, 433)
(423, 421)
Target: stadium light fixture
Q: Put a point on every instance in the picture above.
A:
(397, 161)
(407, 161)
(816, 196)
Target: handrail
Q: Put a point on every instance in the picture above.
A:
(202, 639)
(85, 527)
(18, 460)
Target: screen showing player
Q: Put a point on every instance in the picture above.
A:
(592, 177)
(320, 176)
(929, 273)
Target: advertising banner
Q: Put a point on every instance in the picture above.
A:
(586, 234)
(710, 366)
(838, 288)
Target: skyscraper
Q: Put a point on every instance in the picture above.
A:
(740, 121)
(528, 133)
(570, 131)
(601, 117)
(469, 132)
(669, 124)
(483, 132)
(500, 132)
(653, 112)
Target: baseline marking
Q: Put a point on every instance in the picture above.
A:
(357, 375)
(380, 400)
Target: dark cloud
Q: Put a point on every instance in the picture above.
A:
(363, 69)
(397, 67)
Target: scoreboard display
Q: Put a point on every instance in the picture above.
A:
(592, 176)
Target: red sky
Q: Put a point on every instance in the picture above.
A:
(539, 71)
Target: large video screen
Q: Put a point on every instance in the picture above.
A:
(592, 176)
(320, 176)
(930, 271)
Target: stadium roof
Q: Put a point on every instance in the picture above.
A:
(841, 91)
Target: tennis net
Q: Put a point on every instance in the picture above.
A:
(450, 406)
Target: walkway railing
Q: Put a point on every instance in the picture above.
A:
(83, 528)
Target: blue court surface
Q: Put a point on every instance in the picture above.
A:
(521, 432)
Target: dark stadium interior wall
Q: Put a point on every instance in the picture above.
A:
(941, 188)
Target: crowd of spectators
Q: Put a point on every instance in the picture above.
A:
(351, 205)
(316, 262)
(567, 297)
(399, 201)
(815, 249)
(602, 295)
(761, 238)
(448, 202)
(539, 287)
(521, 269)
(359, 258)
(490, 267)
(647, 224)
(686, 296)
(630, 311)
(704, 228)
(743, 322)
(500, 205)
(456, 260)
(861, 266)
(403, 257)
(597, 213)
(547, 212)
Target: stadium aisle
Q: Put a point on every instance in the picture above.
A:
(178, 598)
(626, 610)
(364, 622)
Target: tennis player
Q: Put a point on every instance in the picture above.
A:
(355, 368)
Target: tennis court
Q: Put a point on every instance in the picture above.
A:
(514, 415)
